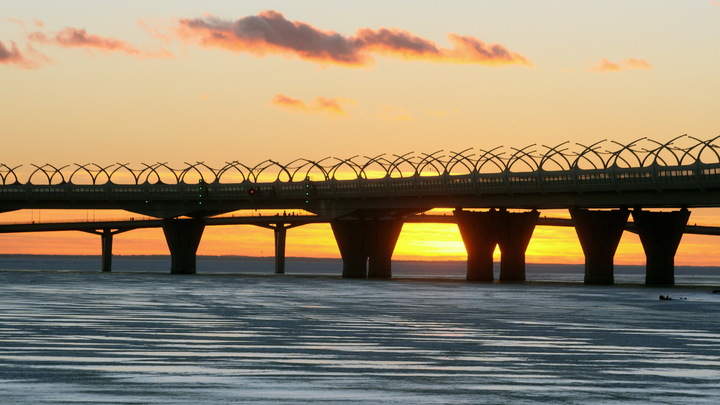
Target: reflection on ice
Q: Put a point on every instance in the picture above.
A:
(157, 339)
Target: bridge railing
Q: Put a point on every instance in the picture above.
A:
(605, 155)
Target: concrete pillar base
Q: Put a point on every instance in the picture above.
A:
(366, 239)
(349, 236)
(107, 242)
(183, 238)
(280, 232)
(517, 229)
(660, 234)
(481, 231)
(382, 237)
(477, 230)
(599, 233)
(106, 238)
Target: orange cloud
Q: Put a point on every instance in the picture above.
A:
(605, 65)
(398, 43)
(270, 32)
(331, 106)
(12, 56)
(79, 38)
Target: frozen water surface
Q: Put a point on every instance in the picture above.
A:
(78, 337)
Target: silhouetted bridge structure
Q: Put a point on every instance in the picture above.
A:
(366, 201)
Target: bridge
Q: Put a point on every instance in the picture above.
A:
(496, 194)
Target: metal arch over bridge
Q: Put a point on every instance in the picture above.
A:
(367, 198)
(543, 161)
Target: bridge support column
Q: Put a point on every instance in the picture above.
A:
(106, 238)
(477, 230)
(382, 237)
(183, 238)
(107, 241)
(349, 236)
(517, 229)
(599, 233)
(482, 231)
(280, 232)
(363, 239)
(660, 234)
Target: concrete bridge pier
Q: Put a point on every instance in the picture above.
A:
(599, 233)
(363, 239)
(106, 238)
(660, 234)
(183, 238)
(482, 231)
(517, 229)
(349, 236)
(383, 236)
(280, 231)
(478, 231)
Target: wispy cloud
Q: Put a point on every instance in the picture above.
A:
(330, 106)
(394, 114)
(11, 55)
(605, 66)
(79, 38)
(156, 28)
(270, 33)
(16, 21)
(22, 23)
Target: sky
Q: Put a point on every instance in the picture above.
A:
(218, 81)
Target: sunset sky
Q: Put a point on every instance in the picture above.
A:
(219, 81)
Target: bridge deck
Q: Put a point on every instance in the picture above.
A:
(696, 185)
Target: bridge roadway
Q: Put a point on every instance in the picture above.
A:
(696, 185)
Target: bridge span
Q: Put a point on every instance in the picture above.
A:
(496, 194)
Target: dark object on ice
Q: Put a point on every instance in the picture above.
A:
(668, 298)
(716, 291)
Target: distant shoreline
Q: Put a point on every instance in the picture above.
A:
(302, 259)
